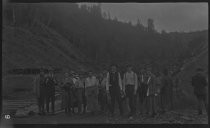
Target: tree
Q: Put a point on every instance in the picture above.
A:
(150, 25)
(139, 25)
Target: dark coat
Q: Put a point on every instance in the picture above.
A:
(199, 83)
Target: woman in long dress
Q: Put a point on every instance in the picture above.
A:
(91, 84)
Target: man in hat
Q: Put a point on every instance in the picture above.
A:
(199, 83)
(51, 82)
(166, 91)
(40, 90)
(114, 89)
(130, 85)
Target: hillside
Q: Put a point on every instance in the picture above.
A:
(186, 74)
(39, 46)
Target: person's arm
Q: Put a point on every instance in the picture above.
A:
(205, 81)
(107, 82)
(136, 83)
(35, 85)
(172, 82)
(120, 81)
(97, 82)
(193, 81)
(123, 82)
(55, 81)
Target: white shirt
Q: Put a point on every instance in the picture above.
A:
(91, 81)
(130, 78)
(79, 83)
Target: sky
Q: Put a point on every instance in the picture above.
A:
(180, 17)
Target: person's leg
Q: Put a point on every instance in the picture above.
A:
(171, 98)
(42, 103)
(53, 103)
(47, 102)
(39, 104)
(132, 98)
(84, 104)
(162, 102)
(130, 91)
(205, 103)
(70, 104)
(153, 105)
(140, 101)
(199, 104)
(157, 103)
(147, 100)
(95, 101)
(100, 100)
(106, 105)
(104, 102)
(113, 98)
(90, 100)
(119, 100)
(80, 101)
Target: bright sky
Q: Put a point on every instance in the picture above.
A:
(167, 16)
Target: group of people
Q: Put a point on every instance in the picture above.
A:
(151, 90)
(44, 89)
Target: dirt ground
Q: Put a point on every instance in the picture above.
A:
(177, 117)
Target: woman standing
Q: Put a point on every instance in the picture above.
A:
(102, 96)
(151, 92)
(91, 84)
(67, 83)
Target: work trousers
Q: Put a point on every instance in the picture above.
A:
(129, 91)
(50, 99)
(115, 96)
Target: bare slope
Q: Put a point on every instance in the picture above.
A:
(38, 46)
(186, 75)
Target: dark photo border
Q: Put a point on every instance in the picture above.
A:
(106, 125)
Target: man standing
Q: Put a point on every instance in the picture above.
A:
(130, 84)
(142, 89)
(40, 91)
(166, 91)
(50, 90)
(158, 86)
(199, 83)
(114, 89)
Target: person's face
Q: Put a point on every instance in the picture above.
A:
(50, 73)
(199, 72)
(90, 74)
(129, 69)
(66, 74)
(113, 68)
(42, 73)
(148, 72)
(141, 71)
